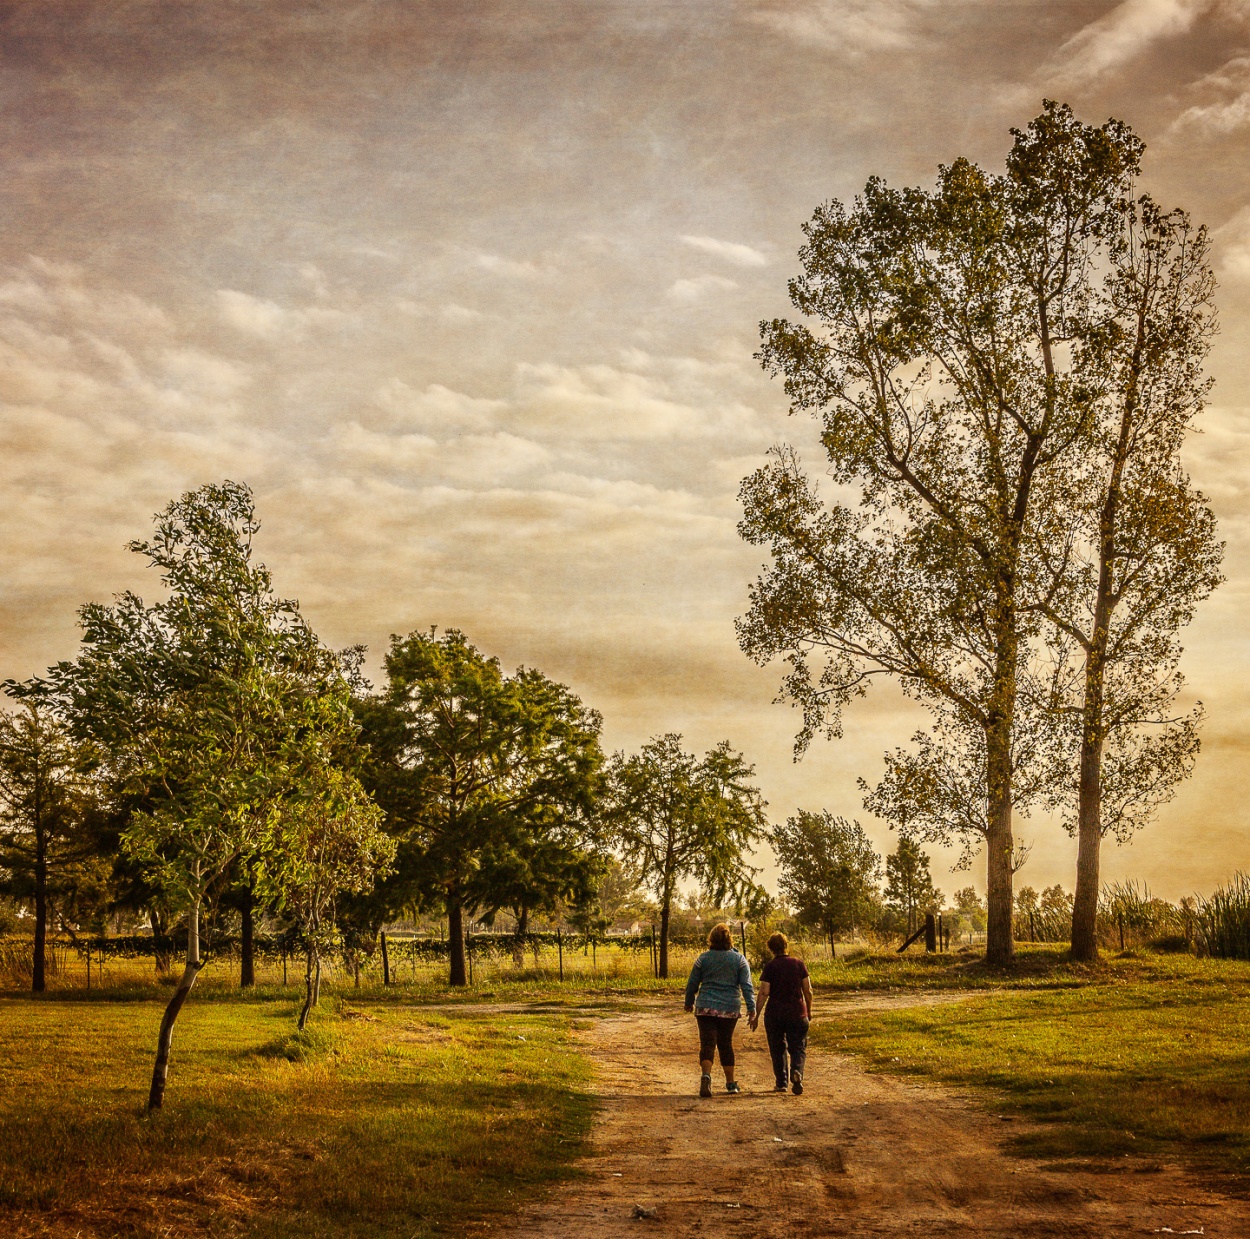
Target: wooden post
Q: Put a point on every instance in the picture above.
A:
(560, 948)
(468, 951)
(930, 933)
(284, 966)
(742, 933)
(1120, 918)
(1032, 927)
(655, 967)
(386, 961)
(88, 965)
(594, 957)
(412, 942)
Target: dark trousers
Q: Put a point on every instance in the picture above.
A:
(786, 1032)
(716, 1035)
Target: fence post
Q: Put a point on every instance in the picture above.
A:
(560, 948)
(284, 965)
(594, 957)
(1032, 927)
(468, 952)
(742, 933)
(88, 965)
(386, 962)
(1120, 918)
(930, 933)
(655, 967)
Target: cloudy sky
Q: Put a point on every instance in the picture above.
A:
(467, 290)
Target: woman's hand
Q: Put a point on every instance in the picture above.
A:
(689, 1010)
(754, 1020)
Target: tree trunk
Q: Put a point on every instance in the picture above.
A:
(165, 1040)
(455, 942)
(160, 956)
(312, 982)
(247, 942)
(999, 947)
(664, 914)
(1089, 842)
(38, 980)
(522, 928)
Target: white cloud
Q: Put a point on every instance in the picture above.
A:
(459, 314)
(851, 27)
(1233, 247)
(1223, 115)
(435, 410)
(267, 320)
(508, 267)
(693, 289)
(730, 251)
(1121, 35)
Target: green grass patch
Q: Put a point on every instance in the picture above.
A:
(377, 1120)
(1148, 1056)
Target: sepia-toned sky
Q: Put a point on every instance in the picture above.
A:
(468, 292)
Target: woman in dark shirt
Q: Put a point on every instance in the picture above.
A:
(785, 999)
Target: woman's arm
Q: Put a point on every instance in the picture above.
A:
(807, 995)
(755, 1019)
(744, 984)
(692, 985)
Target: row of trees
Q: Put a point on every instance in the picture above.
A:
(208, 749)
(1004, 370)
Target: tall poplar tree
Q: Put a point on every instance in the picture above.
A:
(1139, 549)
(936, 353)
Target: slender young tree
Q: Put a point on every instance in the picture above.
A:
(936, 355)
(329, 842)
(909, 888)
(209, 707)
(829, 870)
(1141, 550)
(47, 801)
(674, 816)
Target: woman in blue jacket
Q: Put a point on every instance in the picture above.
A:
(712, 994)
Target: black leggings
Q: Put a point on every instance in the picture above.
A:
(716, 1035)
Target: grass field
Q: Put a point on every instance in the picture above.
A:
(405, 1113)
(1139, 1054)
(381, 1120)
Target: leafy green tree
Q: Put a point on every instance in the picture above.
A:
(909, 889)
(829, 870)
(329, 841)
(674, 816)
(212, 709)
(48, 809)
(488, 781)
(936, 356)
(971, 907)
(1139, 549)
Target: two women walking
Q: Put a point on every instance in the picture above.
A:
(717, 979)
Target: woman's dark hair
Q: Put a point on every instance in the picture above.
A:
(721, 938)
(778, 943)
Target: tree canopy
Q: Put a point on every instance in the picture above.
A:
(489, 784)
(675, 816)
(829, 870)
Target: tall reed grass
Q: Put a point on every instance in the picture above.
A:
(1222, 921)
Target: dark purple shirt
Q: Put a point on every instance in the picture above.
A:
(784, 975)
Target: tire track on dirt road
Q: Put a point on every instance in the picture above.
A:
(858, 1154)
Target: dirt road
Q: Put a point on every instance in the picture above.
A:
(857, 1154)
